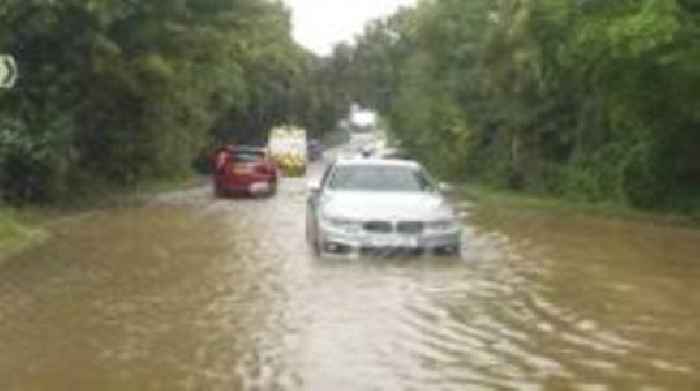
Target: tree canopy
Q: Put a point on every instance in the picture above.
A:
(593, 100)
(118, 91)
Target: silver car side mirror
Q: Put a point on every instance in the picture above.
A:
(445, 187)
(314, 186)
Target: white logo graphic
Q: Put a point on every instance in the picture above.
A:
(8, 71)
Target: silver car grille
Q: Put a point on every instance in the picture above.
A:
(409, 227)
(378, 227)
(388, 227)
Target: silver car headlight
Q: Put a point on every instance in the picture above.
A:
(342, 224)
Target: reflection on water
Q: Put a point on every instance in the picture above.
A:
(192, 293)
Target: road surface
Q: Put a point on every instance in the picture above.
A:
(188, 292)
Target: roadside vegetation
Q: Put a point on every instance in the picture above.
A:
(117, 92)
(15, 233)
(503, 201)
(589, 101)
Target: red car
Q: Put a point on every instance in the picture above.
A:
(244, 170)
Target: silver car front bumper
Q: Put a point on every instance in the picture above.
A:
(338, 242)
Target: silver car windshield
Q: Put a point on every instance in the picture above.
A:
(380, 178)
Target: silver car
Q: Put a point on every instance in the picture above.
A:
(379, 207)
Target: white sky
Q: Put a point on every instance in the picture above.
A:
(320, 24)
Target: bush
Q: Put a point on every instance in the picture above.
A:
(644, 183)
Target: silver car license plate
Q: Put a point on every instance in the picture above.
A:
(260, 187)
(394, 241)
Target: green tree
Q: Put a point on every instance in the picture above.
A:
(591, 100)
(118, 91)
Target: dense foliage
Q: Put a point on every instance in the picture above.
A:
(594, 100)
(118, 91)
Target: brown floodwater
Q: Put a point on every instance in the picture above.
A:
(188, 292)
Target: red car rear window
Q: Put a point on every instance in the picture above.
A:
(248, 156)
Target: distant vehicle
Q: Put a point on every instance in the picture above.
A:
(315, 150)
(367, 151)
(379, 207)
(244, 170)
(288, 148)
(394, 154)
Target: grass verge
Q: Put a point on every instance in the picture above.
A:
(21, 228)
(491, 197)
(104, 195)
(17, 232)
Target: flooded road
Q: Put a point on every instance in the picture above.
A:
(193, 293)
